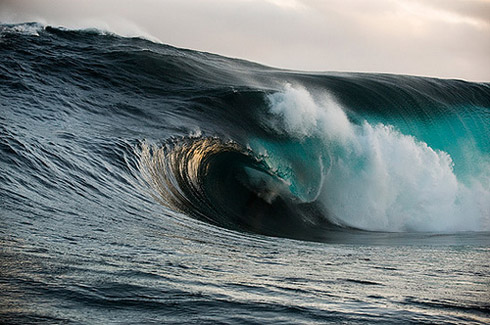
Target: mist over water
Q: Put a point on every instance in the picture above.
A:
(145, 183)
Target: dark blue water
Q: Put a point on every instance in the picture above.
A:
(143, 183)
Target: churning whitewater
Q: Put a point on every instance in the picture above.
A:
(142, 182)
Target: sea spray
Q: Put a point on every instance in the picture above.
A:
(378, 178)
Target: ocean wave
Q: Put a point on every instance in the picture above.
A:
(144, 183)
(277, 150)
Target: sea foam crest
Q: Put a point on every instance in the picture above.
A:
(379, 178)
(32, 29)
(301, 115)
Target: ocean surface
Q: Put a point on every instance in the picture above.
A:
(142, 183)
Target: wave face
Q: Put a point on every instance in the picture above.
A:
(234, 141)
(117, 150)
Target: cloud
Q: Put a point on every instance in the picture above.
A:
(443, 38)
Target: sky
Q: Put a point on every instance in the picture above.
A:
(438, 38)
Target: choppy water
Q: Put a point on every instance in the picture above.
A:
(143, 183)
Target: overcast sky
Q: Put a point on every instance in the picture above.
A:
(441, 38)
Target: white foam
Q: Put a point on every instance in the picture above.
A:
(25, 29)
(381, 179)
(301, 115)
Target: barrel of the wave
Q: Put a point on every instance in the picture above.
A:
(299, 165)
